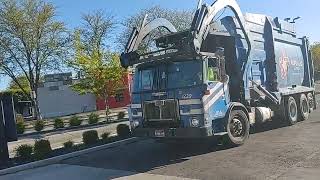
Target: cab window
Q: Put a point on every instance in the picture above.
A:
(213, 70)
(147, 79)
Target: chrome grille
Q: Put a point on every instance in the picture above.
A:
(161, 110)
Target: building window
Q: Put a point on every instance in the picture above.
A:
(119, 97)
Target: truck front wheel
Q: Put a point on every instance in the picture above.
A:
(291, 111)
(238, 128)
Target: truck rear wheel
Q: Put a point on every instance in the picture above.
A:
(291, 111)
(311, 101)
(238, 128)
(304, 108)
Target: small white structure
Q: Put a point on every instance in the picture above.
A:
(56, 98)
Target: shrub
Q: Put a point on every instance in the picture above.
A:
(20, 124)
(19, 118)
(105, 136)
(58, 123)
(24, 152)
(42, 148)
(39, 125)
(90, 137)
(68, 144)
(123, 130)
(21, 127)
(93, 118)
(121, 115)
(75, 121)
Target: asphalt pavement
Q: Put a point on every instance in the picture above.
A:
(274, 151)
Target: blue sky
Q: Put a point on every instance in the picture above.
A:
(70, 12)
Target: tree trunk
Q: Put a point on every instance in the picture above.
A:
(106, 101)
(34, 97)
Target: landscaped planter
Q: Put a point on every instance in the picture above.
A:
(62, 151)
(71, 128)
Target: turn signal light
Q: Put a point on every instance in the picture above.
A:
(207, 92)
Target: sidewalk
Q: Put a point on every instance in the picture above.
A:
(58, 138)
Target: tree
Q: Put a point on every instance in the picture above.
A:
(32, 42)
(101, 72)
(23, 81)
(315, 50)
(180, 19)
(96, 28)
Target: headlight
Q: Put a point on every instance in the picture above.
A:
(194, 122)
(134, 124)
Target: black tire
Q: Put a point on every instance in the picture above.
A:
(291, 111)
(304, 108)
(311, 101)
(238, 128)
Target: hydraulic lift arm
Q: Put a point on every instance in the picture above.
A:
(201, 25)
(138, 35)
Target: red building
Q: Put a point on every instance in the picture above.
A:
(121, 99)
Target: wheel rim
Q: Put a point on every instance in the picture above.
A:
(237, 127)
(311, 102)
(304, 107)
(292, 111)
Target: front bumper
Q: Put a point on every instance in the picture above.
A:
(174, 132)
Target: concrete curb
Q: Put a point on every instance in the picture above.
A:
(57, 159)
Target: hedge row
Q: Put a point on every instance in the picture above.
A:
(59, 123)
(42, 148)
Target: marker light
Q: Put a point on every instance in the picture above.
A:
(194, 122)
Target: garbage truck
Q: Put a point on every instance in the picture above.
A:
(220, 77)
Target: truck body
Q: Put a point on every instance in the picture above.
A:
(219, 78)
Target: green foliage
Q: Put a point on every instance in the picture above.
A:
(20, 124)
(58, 123)
(315, 50)
(123, 130)
(121, 115)
(93, 118)
(90, 137)
(22, 81)
(68, 144)
(39, 125)
(42, 149)
(20, 127)
(24, 152)
(102, 74)
(105, 136)
(19, 118)
(32, 41)
(18, 95)
(75, 121)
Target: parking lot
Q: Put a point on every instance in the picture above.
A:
(274, 152)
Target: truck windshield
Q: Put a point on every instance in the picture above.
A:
(168, 75)
(184, 74)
